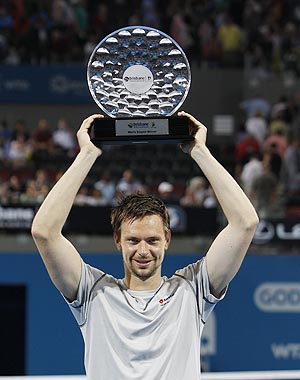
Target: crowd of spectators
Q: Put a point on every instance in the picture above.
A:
(258, 35)
(266, 163)
(32, 160)
(267, 155)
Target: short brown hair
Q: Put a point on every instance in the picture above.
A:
(136, 206)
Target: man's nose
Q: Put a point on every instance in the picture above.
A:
(143, 249)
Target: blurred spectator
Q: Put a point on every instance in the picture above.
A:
(15, 189)
(195, 192)
(279, 125)
(4, 48)
(166, 191)
(42, 135)
(20, 128)
(42, 142)
(179, 30)
(6, 20)
(276, 142)
(107, 188)
(80, 18)
(20, 152)
(97, 198)
(5, 139)
(210, 200)
(257, 127)
(29, 196)
(251, 15)
(89, 196)
(291, 167)
(241, 133)
(266, 193)
(62, 32)
(99, 20)
(256, 104)
(209, 44)
(290, 48)
(293, 109)
(231, 38)
(150, 13)
(63, 138)
(6, 28)
(35, 44)
(4, 193)
(251, 170)
(83, 197)
(89, 47)
(246, 147)
(280, 109)
(274, 162)
(41, 179)
(36, 189)
(135, 18)
(128, 184)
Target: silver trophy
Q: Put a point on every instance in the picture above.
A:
(139, 76)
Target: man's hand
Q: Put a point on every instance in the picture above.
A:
(197, 130)
(83, 136)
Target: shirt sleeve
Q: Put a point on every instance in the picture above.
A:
(89, 277)
(196, 274)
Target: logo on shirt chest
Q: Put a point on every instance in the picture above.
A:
(165, 300)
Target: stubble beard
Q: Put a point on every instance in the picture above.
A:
(143, 274)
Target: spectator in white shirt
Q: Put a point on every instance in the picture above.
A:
(251, 170)
(257, 127)
(63, 137)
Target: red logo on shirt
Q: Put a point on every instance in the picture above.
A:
(164, 301)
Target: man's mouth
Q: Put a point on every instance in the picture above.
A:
(142, 263)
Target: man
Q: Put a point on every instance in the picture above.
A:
(144, 326)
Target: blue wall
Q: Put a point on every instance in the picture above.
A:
(51, 84)
(256, 327)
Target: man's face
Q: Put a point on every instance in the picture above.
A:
(143, 243)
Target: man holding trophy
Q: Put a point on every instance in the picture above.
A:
(145, 325)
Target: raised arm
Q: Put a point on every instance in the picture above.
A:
(60, 257)
(229, 248)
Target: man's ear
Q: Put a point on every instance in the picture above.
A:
(117, 241)
(168, 240)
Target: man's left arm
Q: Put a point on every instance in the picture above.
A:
(229, 248)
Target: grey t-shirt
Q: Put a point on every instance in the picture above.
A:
(143, 335)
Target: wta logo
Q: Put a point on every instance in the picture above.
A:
(280, 297)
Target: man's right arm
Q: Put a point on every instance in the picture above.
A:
(60, 257)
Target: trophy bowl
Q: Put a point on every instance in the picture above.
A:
(139, 77)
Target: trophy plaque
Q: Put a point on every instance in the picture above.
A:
(139, 77)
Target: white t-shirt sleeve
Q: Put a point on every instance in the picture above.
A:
(89, 276)
(197, 275)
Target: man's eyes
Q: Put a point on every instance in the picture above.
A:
(149, 241)
(133, 241)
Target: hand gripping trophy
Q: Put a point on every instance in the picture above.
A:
(139, 76)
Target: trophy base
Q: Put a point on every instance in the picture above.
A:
(154, 130)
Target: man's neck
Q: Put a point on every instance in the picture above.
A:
(135, 283)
